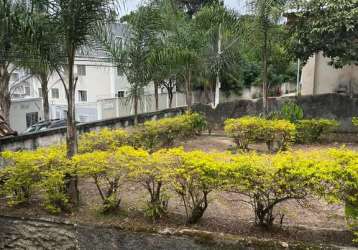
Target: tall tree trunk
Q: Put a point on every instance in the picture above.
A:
(170, 96)
(44, 91)
(264, 75)
(136, 100)
(71, 138)
(156, 95)
(5, 96)
(188, 91)
(207, 93)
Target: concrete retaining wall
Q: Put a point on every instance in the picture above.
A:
(58, 135)
(332, 106)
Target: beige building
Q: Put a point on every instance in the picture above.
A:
(318, 77)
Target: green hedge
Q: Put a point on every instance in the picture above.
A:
(310, 131)
(263, 180)
(277, 134)
(151, 135)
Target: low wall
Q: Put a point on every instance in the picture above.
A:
(58, 135)
(332, 106)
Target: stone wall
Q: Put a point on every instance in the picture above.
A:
(20, 233)
(331, 106)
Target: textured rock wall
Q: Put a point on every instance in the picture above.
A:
(331, 106)
(16, 233)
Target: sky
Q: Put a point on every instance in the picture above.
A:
(133, 4)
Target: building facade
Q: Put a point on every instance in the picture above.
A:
(318, 77)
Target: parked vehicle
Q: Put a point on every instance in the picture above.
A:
(45, 125)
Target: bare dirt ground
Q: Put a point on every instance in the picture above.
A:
(316, 222)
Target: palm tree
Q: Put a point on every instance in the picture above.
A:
(131, 54)
(42, 55)
(223, 33)
(184, 46)
(73, 22)
(267, 14)
(12, 14)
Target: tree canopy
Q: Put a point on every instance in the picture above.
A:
(327, 26)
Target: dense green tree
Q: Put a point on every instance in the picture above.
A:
(191, 7)
(329, 26)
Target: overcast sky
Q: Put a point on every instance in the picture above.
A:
(234, 4)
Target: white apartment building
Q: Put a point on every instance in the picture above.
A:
(98, 79)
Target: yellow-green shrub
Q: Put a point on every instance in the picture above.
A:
(151, 135)
(309, 131)
(152, 171)
(194, 177)
(162, 133)
(341, 183)
(355, 121)
(102, 140)
(28, 171)
(56, 167)
(20, 175)
(267, 180)
(109, 171)
(247, 130)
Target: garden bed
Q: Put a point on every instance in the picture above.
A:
(318, 222)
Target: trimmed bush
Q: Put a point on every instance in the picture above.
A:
(109, 171)
(28, 171)
(355, 121)
(267, 181)
(264, 180)
(152, 172)
(194, 177)
(309, 131)
(248, 130)
(103, 140)
(153, 135)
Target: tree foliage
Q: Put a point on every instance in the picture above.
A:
(327, 26)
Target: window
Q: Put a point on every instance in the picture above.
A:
(81, 70)
(31, 119)
(55, 93)
(120, 94)
(119, 42)
(82, 96)
(83, 118)
(27, 90)
(40, 92)
(14, 77)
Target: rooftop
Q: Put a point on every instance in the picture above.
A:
(5, 129)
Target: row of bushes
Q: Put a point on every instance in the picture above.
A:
(152, 135)
(277, 134)
(264, 180)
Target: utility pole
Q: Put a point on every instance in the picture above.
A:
(298, 85)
